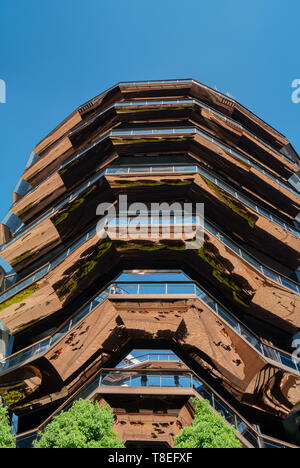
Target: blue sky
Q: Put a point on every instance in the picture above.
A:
(57, 54)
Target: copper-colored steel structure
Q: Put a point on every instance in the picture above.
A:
(65, 319)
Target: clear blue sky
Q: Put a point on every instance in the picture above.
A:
(57, 54)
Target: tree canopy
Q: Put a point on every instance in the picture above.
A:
(209, 430)
(7, 440)
(84, 425)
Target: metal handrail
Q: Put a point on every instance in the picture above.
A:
(146, 358)
(266, 271)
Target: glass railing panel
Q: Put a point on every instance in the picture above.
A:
(226, 241)
(165, 380)
(249, 337)
(154, 288)
(273, 276)
(60, 334)
(252, 261)
(185, 168)
(149, 357)
(269, 274)
(246, 432)
(209, 397)
(153, 380)
(211, 229)
(185, 130)
(135, 380)
(194, 101)
(105, 378)
(201, 294)
(288, 361)
(88, 390)
(183, 380)
(83, 313)
(158, 379)
(44, 346)
(139, 170)
(26, 441)
(281, 223)
(262, 212)
(224, 411)
(180, 288)
(230, 320)
(270, 445)
(172, 357)
(123, 289)
(76, 245)
(288, 284)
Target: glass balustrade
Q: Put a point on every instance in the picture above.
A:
(283, 281)
(174, 289)
(22, 229)
(213, 140)
(149, 357)
(188, 80)
(164, 102)
(168, 131)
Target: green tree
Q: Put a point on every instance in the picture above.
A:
(209, 430)
(85, 425)
(7, 440)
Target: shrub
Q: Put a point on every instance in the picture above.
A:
(7, 440)
(209, 430)
(84, 425)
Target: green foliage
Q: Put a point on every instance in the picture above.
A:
(150, 182)
(20, 258)
(133, 109)
(61, 216)
(7, 440)
(21, 296)
(35, 173)
(66, 169)
(85, 425)
(149, 246)
(208, 430)
(243, 212)
(149, 140)
(224, 278)
(12, 397)
(24, 210)
(84, 270)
